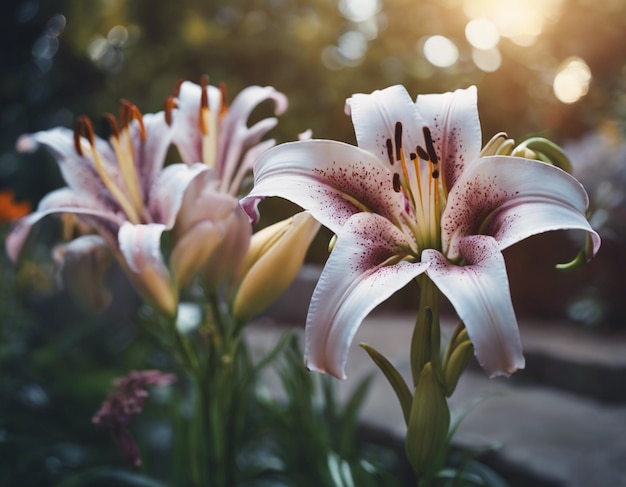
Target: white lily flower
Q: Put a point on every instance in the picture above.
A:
(415, 197)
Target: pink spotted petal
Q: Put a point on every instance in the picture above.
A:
(330, 179)
(455, 129)
(511, 199)
(479, 292)
(375, 116)
(363, 270)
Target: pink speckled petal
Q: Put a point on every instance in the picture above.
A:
(64, 200)
(331, 179)
(479, 292)
(455, 129)
(375, 116)
(363, 270)
(511, 199)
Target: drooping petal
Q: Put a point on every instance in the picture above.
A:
(63, 200)
(363, 270)
(236, 137)
(140, 247)
(166, 195)
(455, 129)
(479, 292)
(330, 179)
(511, 199)
(375, 116)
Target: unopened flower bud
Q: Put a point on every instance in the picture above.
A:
(275, 256)
(459, 352)
(427, 433)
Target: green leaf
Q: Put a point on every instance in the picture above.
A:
(394, 378)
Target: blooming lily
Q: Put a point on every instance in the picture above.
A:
(417, 198)
(207, 130)
(119, 189)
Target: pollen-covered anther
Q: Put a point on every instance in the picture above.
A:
(83, 129)
(128, 112)
(224, 107)
(204, 105)
(396, 182)
(113, 124)
(430, 147)
(398, 140)
(171, 104)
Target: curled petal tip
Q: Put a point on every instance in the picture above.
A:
(26, 144)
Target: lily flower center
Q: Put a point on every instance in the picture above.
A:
(418, 176)
(127, 190)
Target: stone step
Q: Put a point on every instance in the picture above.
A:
(562, 355)
(545, 426)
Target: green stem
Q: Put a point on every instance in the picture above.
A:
(425, 342)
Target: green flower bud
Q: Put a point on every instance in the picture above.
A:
(456, 358)
(427, 433)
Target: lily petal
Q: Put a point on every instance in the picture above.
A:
(363, 270)
(78, 171)
(212, 232)
(511, 199)
(455, 129)
(167, 194)
(186, 126)
(236, 137)
(140, 245)
(150, 154)
(479, 292)
(330, 179)
(375, 116)
(63, 200)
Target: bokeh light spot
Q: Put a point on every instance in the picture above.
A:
(359, 10)
(441, 51)
(572, 80)
(488, 60)
(482, 34)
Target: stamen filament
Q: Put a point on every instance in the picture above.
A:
(208, 126)
(126, 158)
(85, 128)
